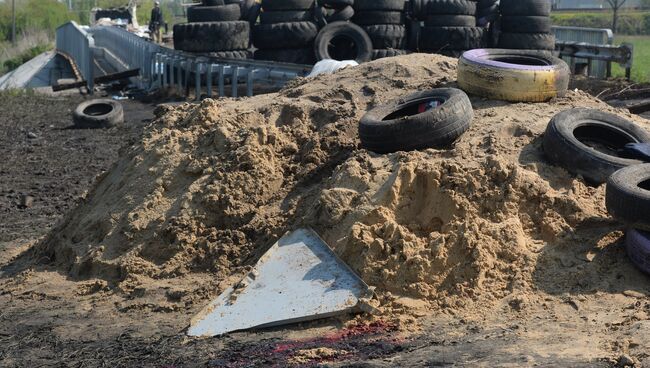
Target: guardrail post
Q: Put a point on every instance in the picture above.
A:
(234, 81)
(221, 80)
(188, 74)
(249, 82)
(197, 80)
(208, 80)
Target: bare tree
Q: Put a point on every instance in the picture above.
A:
(616, 5)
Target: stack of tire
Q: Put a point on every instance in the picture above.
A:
(330, 11)
(449, 26)
(286, 32)
(384, 22)
(526, 24)
(214, 28)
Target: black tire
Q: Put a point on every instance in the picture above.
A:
(527, 41)
(565, 134)
(628, 196)
(367, 18)
(99, 113)
(250, 11)
(413, 34)
(487, 15)
(387, 36)
(380, 54)
(450, 21)
(221, 13)
(384, 5)
(397, 126)
(449, 7)
(212, 36)
(451, 38)
(343, 41)
(337, 4)
(326, 15)
(339, 15)
(527, 7)
(277, 5)
(532, 24)
(296, 56)
(235, 54)
(273, 17)
(293, 35)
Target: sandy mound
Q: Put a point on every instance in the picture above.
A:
(212, 186)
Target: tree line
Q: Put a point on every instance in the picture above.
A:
(47, 15)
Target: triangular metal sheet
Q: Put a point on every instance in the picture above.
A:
(298, 279)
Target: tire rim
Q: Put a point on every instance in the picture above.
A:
(603, 138)
(98, 109)
(413, 107)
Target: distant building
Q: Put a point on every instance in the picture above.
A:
(591, 4)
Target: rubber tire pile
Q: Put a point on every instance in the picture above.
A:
(214, 27)
(286, 32)
(385, 23)
(449, 26)
(526, 25)
(305, 31)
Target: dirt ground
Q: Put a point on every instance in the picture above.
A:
(576, 323)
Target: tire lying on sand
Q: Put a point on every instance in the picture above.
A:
(637, 245)
(99, 113)
(586, 142)
(343, 41)
(434, 118)
(513, 75)
(628, 196)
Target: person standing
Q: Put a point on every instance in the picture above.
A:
(156, 22)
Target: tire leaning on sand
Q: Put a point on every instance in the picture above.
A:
(513, 75)
(399, 126)
(99, 113)
(586, 142)
(637, 245)
(628, 196)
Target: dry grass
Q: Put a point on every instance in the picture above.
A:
(29, 43)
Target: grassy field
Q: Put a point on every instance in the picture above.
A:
(641, 63)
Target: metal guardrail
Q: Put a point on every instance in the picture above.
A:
(185, 71)
(590, 50)
(134, 52)
(162, 67)
(607, 54)
(76, 44)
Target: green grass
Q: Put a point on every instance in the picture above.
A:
(641, 62)
(629, 22)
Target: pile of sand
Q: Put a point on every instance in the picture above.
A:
(212, 186)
